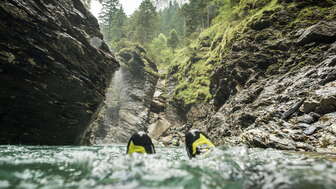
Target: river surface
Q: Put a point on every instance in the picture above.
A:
(109, 167)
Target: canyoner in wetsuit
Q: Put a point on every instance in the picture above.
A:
(140, 142)
(197, 143)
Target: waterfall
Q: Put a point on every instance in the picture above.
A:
(126, 108)
(115, 97)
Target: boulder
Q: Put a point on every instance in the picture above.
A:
(157, 128)
(322, 101)
(157, 106)
(54, 69)
(310, 130)
(310, 118)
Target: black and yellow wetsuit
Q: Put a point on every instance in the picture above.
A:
(197, 143)
(140, 143)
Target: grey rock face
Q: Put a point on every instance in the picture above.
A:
(319, 33)
(268, 129)
(52, 77)
(128, 100)
(275, 83)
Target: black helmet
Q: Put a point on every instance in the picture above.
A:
(140, 142)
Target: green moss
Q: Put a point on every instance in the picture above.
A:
(193, 75)
(236, 29)
(195, 63)
(193, 92)
(136, 54)
(312, 15)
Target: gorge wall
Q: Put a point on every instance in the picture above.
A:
(265, 80)
(128, 100)
(54, 69)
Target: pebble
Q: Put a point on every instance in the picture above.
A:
(310, 130)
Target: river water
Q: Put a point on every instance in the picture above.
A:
(109, 167)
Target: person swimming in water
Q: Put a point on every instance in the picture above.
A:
(140, 142)
(197, 143)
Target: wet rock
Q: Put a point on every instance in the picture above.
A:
(198, 112)
(255, 138)
(314, 115)
(322, 101)
(127, 108)
(326, 121)
(264, 139)
(323, 32)
(309, 106)
(307, 118)
(53, 78)
(327, 105)
(327, 140)
(157, 128)
(293, 109)
(167, 140)
(332, 49)
(260, 78)
(246, 120)
(310, 130)
(331, 61)
(303, 125)
(157, 106)
(305, 146)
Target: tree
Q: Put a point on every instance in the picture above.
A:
(199, 13)
(118, 24)
(171, 18)
(173, 40)
(146, 20)
(112, 20)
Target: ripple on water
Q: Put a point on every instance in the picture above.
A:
(108, 166)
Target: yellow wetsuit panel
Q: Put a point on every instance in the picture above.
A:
(201, 141)
(135, 148)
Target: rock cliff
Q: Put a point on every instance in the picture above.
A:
(267, 80)
(54, 69)
(127, 106)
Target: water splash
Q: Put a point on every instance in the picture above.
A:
(109, 167)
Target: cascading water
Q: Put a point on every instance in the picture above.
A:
(115, 96)
(126, 107)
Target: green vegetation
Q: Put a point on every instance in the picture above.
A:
(311, 15)
(136, 54)
(112, 21)
(213, 23)
(189, 41)
(197, 61)
(173, 40)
